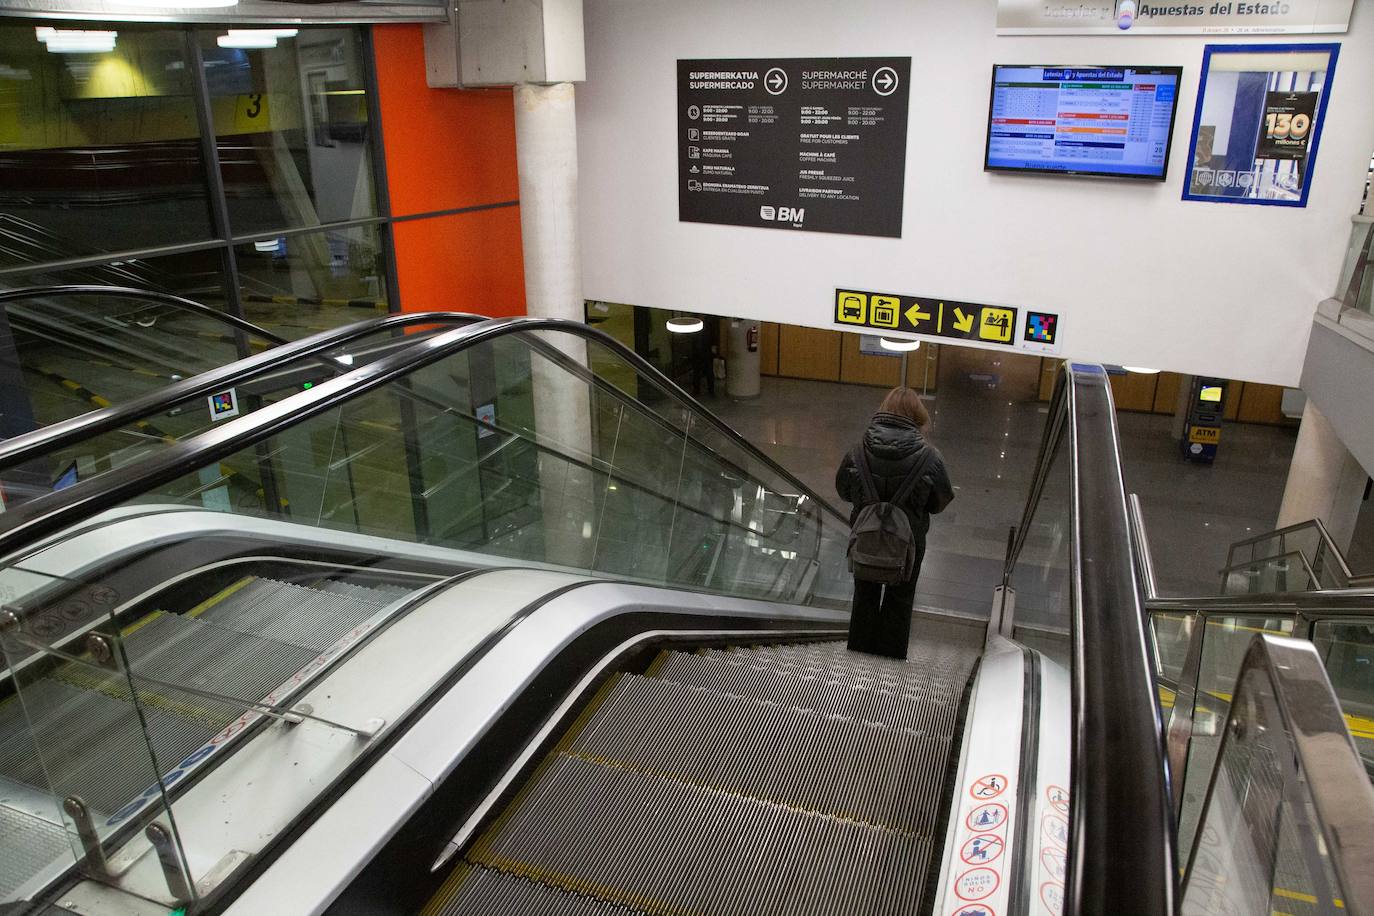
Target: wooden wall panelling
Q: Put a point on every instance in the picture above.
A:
(809, 353)
(768, 348)
(1134, 391)
(1262, 404)
(923, 368)
(1166, 392)
(859, 368)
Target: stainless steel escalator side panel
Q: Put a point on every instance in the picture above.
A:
(980, 851)
(309, 874)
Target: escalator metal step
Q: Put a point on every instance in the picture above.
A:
(811, 666)
(927, 715)
(832, 765)
(31, 845)
(665, 847)
(184, 650)
(472, 889)
(90, 742)
(308, 617)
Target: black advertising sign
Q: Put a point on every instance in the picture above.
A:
(815, 144)
(992, 324)
(1287, 125)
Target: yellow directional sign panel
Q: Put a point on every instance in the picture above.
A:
(1206, 435)
(925, 315)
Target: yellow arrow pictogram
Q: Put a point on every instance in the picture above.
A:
(962, 323)
(915, 316)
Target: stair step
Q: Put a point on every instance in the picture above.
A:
(663, 846)
(312, 618)
(928, 715)
(201, 654)
(836, 766)
(31, 845)
(484, 892)
(836, 669)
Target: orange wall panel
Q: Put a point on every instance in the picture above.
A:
(445, 148)
(468, 262)
(448, 149)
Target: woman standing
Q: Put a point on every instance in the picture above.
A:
(892, 465)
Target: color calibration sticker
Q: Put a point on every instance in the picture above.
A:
(223, 405)
(982, 839)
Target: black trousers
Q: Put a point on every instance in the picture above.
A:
(880, 621)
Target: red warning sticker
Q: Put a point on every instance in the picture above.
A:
(975, 909)
(990, 816)
(977, 883)
(983, 849)
(1052, 895)
(1056, 862)
(1055, 829)
(988, 787)
(1058, 798)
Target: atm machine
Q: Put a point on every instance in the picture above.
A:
(1202, 431)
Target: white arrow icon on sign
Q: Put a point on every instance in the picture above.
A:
(775, 81)
(885, 81)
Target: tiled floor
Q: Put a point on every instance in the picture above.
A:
(1193, 512)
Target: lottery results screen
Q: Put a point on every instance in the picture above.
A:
(1104, 121)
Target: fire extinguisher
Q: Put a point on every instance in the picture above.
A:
(752, 338)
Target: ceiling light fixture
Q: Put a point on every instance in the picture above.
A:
(180, 4)
(76, 41)
(899, 344)
(248, 39)
(685, 325)
(1141, 370)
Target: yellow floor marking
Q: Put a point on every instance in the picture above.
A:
(1304, 898)
(219, 596)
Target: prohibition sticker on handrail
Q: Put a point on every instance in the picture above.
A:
(987, 817)
(982, 849)
(988, 787)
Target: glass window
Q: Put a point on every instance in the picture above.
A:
(292, 127)
(299, 284)
(99, 146)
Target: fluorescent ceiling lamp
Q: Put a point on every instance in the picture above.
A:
(280, 33)
(685, 325)
(1141, 370)
(267, 246)
(246, 39)
(180, 4)
(899, 345)
(76, 41)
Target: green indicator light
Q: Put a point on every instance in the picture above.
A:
(307, 386)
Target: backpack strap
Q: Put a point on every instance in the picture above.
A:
(870, 486)
(913, 477)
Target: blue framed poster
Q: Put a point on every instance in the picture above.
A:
(1258, 123)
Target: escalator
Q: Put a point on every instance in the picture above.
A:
(514, 635)
(842, 760)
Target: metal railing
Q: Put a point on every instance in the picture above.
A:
(1326, 566)
(1287, 779)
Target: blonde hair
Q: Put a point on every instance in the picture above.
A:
(905, 402)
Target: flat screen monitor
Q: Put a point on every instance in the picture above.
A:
(1210, 394)
(1113, 122)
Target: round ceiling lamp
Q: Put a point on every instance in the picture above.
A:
(685, 325)
(1141, 370)
(898, 344)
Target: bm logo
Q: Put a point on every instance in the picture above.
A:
(794, 215)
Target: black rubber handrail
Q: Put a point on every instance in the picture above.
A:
(32, 445)
(49, 514)
(147, 295)
(1122, 856)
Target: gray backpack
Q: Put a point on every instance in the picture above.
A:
(882, 547)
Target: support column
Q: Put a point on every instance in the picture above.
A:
(742, 361)
(1324, 480)
(546, 155)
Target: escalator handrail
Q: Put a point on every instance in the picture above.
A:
(148, 295)
(1318, 604)
(1122, 857)
(32, 445)
(1337, 784)
(1121, 836)
(28, 523)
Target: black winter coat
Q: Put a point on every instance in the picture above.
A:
(893, 445)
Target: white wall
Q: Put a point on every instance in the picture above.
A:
(1139, 276)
